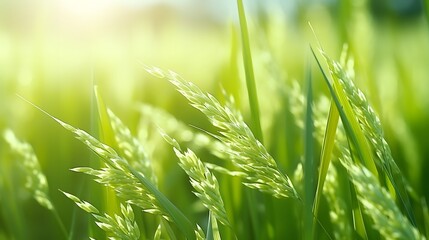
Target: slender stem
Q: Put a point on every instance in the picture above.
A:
(325, 156)
(60, 223)
(250, 77)
(253, 103)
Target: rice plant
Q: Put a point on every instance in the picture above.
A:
(249, 141)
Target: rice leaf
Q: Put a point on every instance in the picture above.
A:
(250, 76)
(108, 136)
(326, 155)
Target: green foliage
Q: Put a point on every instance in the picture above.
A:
(242, 152)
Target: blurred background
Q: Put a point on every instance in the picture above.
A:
(52, 53)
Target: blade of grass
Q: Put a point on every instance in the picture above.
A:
(352, 127)
(92, 191)
(357, 213)
(253, 102)
(212, 228)
(325, 158)
(107, 136)
(209, 235)
(373, 131)
(250, 76)
(309, 163)
(106, 131)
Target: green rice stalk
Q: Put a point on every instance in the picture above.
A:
(120, 227)
(205, 184)
(357, 214)
(107, 136)
(250, 76)
(371, 127)
(243, 149)
(127, 182)
(379, 205)
(360, 146)
(36, 181)
(131, 149)
(326, 155)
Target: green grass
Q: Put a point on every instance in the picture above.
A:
(240, 137)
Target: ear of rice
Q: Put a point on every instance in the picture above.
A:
(204, 182)
(379, 205)
(241, 147)
(372, 129)
(360, 146)
(179, 130)
(35, 179)
(119, 227)
(131, 148)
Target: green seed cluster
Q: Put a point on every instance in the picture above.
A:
(242, 148)
(204, 182)
(35, 179)
(120, 227)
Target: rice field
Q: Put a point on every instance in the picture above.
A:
(214, 119)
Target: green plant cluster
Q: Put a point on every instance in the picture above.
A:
(337, 154)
